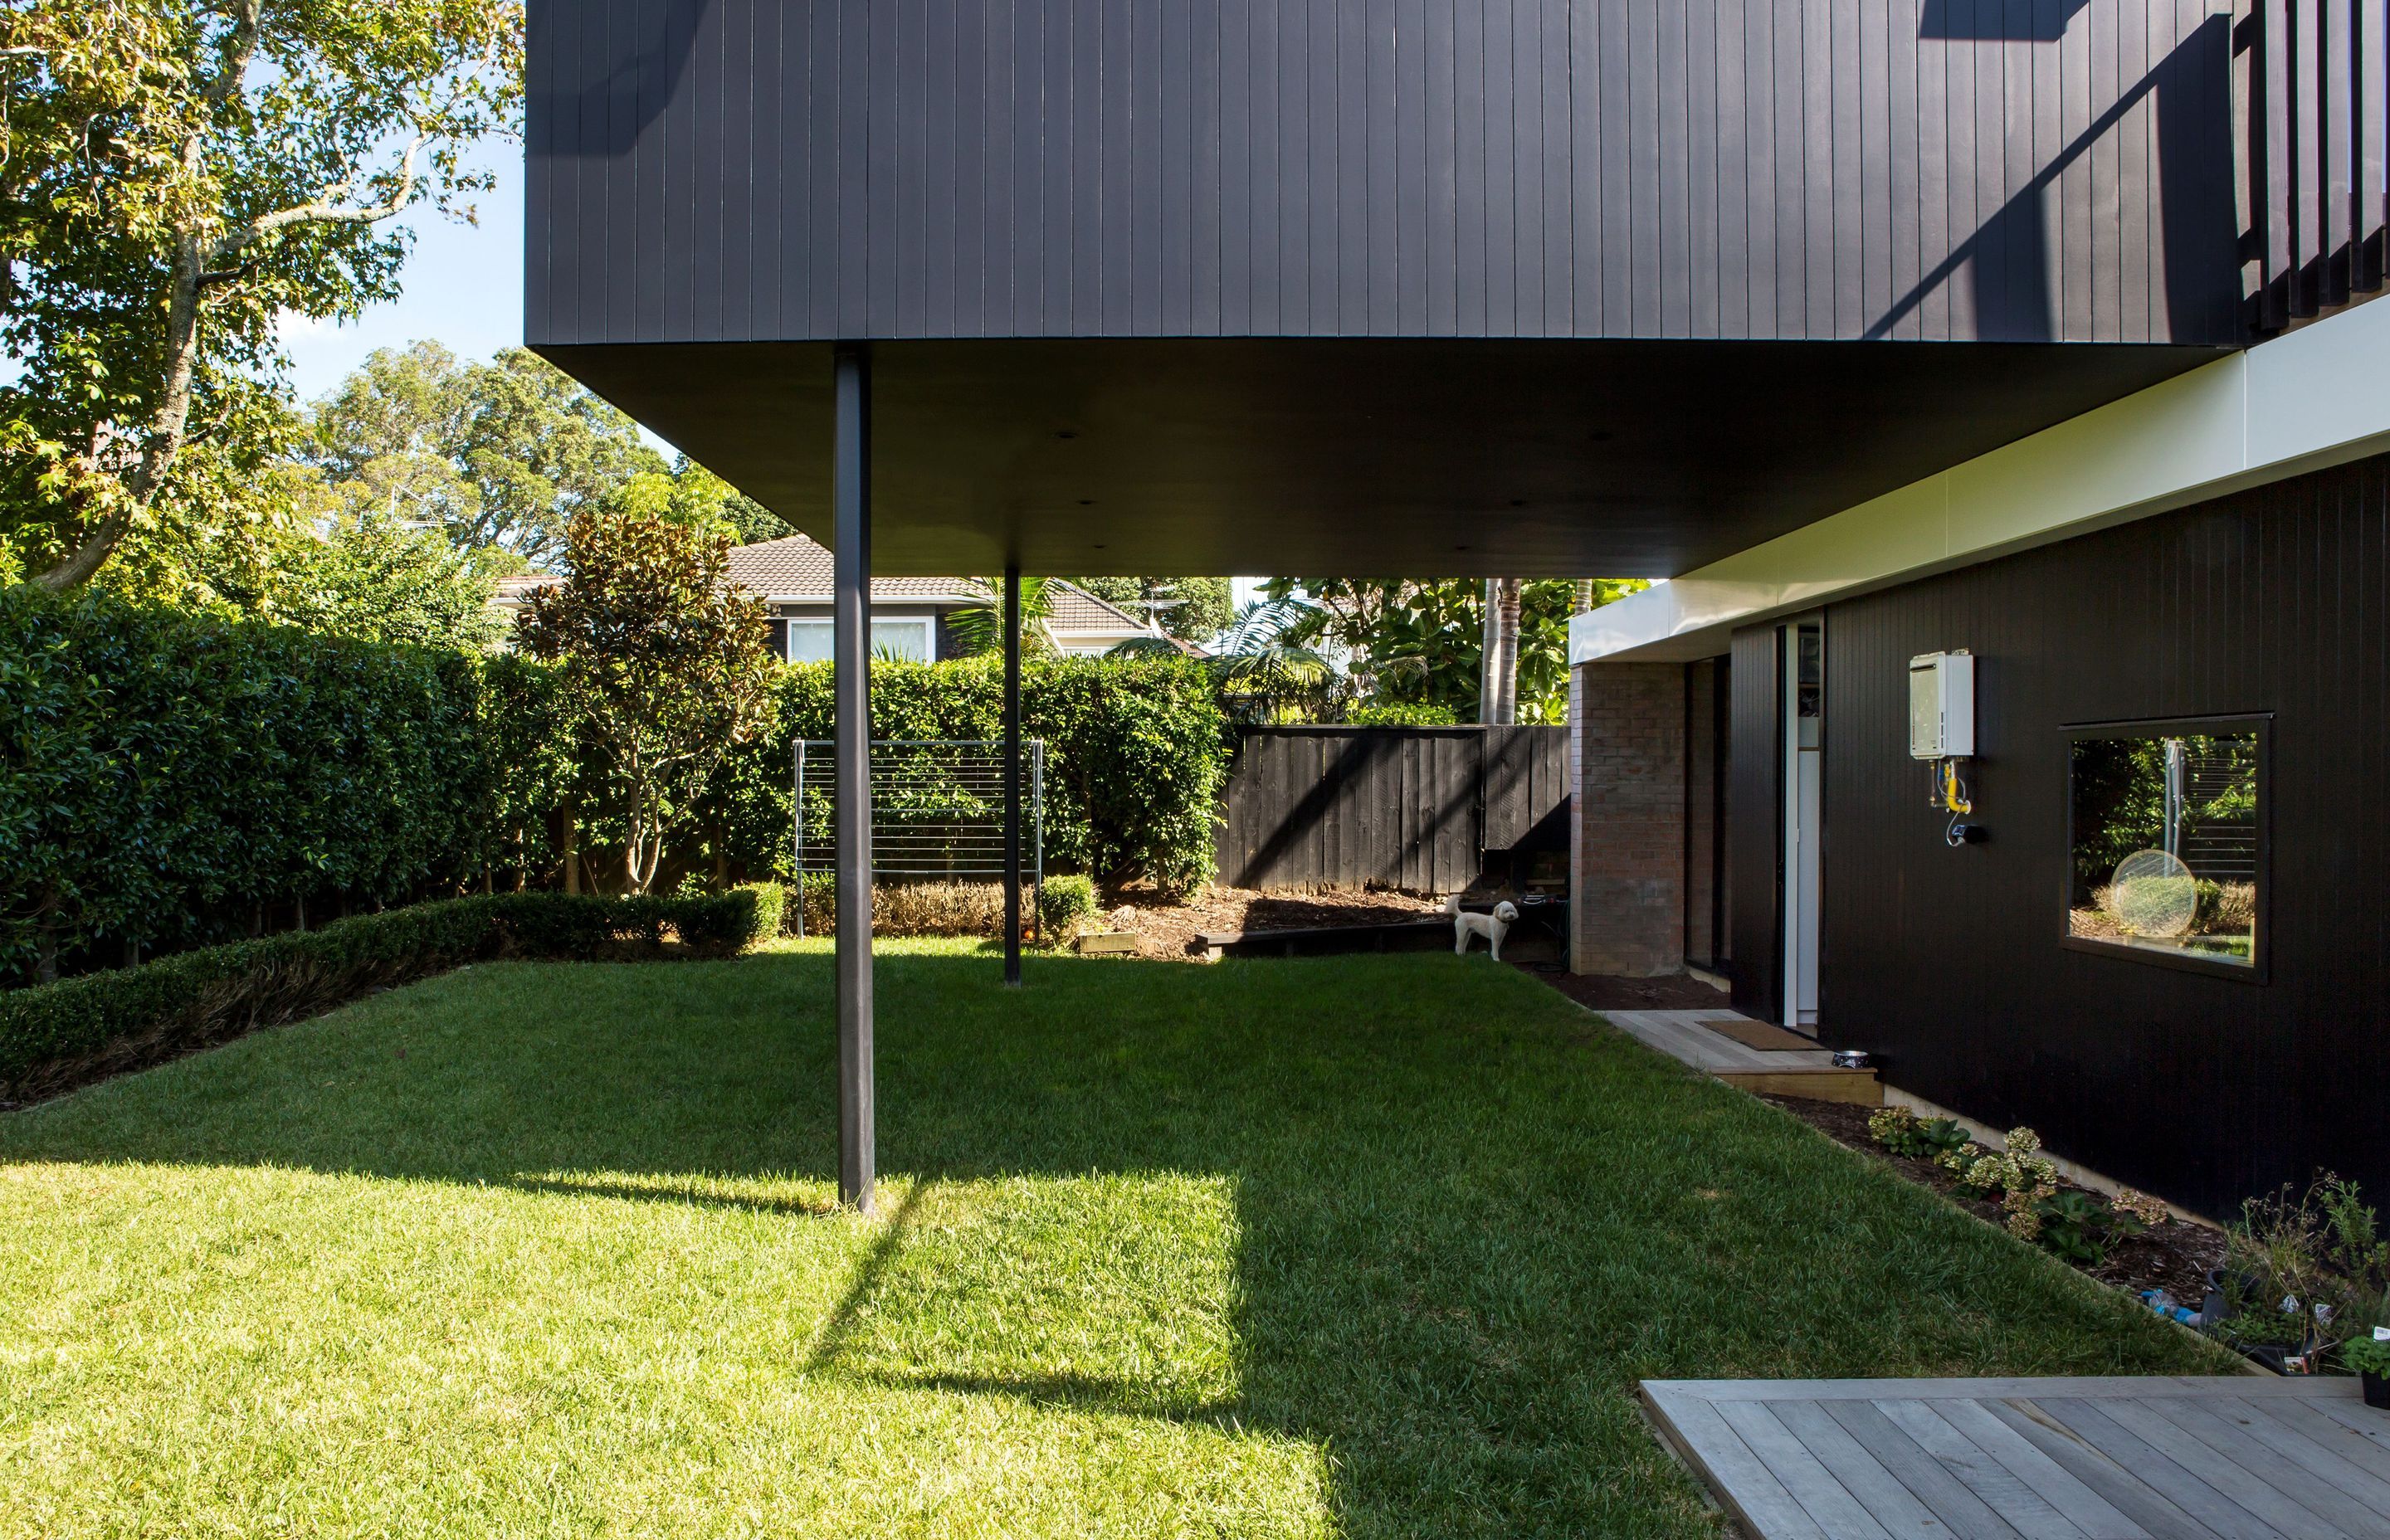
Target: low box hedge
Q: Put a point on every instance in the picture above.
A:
(55, 1036)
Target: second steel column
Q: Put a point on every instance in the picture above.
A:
(851, 611)
(1012, 776)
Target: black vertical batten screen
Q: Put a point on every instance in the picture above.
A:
(745, 170)
(1756, 822)
(2319, 138)
(1947, 964)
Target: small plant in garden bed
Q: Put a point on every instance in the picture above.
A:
(2081, 1226)
(1937, 1139)
(2306, 1273)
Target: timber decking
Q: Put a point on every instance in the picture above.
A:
(2153, 1459)
(1687, 1035)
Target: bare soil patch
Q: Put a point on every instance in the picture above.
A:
(1167, 930)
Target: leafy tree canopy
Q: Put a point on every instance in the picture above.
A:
(690, 495)
(179, 176)
(1420, 642)
(377, 582)
(498, 454)
(1198, 608)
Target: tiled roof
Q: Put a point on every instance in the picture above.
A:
(797, 568)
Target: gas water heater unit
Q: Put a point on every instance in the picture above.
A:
(1941, 706)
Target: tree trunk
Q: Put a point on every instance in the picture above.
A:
(1489, 652)
(1506, 681)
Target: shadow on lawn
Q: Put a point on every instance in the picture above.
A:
(1454, 1220)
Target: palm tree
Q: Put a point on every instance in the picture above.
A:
(980, 627)
(1498, 694)
(1256, 668)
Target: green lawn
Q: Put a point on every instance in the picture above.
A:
(1373, 1245)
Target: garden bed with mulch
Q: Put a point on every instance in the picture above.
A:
(1166, 929)
(2174, 1256)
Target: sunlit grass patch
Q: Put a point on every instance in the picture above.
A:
(1371, 1246)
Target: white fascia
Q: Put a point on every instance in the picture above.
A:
(2315, 397)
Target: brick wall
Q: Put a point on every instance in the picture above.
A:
(1626, 844)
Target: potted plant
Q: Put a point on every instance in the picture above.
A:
(2370, 1356)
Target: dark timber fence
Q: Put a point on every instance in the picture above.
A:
(1406, 807)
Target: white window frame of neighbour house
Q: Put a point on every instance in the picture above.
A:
(910, 637)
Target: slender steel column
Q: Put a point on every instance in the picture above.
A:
(851, 528)
(1012, 776)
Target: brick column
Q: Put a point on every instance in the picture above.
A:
(1626, 820)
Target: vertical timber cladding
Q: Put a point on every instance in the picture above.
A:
(753, 171)
(1947, 963)
(1754, 823)
(1416, 808)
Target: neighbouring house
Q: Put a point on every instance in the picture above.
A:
(911, 617)
(2011, 355)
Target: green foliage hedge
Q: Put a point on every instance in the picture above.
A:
(1134, 758)
(1063, 902)
(170, 781)
(163, 775)
(55, 1036)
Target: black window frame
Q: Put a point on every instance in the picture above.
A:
(2258, 969)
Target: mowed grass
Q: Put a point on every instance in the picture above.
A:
(1374, 1246)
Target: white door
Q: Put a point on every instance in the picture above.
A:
(1805, 758)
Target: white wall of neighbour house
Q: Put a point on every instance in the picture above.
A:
(2315, 397)
(909, 630)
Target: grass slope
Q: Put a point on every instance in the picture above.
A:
(1370, 1246)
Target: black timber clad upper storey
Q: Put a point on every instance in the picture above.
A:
(802, 170)
(1947, 963)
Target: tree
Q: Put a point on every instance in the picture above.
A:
(180, 175)
(500, 454)
(1423, 643)
(1192, 608)
(661, 657)
(379, 582)
(690, 495)
(980, 627)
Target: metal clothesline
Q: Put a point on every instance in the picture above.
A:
(937, 810)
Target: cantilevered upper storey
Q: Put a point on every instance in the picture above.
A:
(1620, 284)
(2018, 171)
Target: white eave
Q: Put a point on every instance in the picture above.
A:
(2315, 397)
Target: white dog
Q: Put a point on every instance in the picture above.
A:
(1492, 927)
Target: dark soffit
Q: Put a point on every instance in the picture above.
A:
(1360, 458)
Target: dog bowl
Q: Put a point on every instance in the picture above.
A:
(1850, 1059)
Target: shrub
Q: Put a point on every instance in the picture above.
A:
(1135, 759)
(1063, 902)
(2317, 1258)
(1942, 1140)
(163, 776)
(913, 908)
(55, 1036)
(771, 906)
(1418, 713)
(2367, 1354)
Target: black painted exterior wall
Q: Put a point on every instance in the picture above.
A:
(790, 170)
(1947, 962)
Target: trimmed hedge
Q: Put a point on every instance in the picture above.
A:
(170, 781)
(164, 778)
(55, 1036)
(1136, 757)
